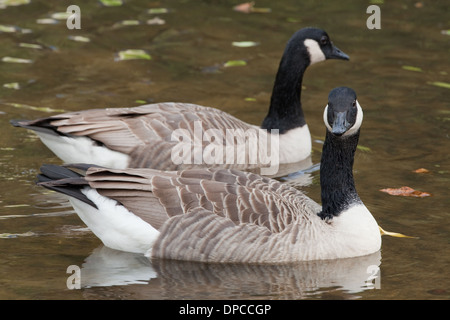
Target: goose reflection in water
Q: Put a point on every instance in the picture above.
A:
(142, 278)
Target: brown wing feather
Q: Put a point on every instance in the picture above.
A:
(242, 198)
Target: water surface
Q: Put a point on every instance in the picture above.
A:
(397, 72)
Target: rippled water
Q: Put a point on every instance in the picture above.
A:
(399, 72)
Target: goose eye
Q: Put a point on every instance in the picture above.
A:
(323, 40)
(354, 104)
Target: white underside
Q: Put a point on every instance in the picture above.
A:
(83, 150)
(355, 233)
(295, 145)
(114, 225)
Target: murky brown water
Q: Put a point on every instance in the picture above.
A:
(406, 127)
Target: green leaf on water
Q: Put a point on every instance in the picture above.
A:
(111, 3)
(293, 20)
(445, 32)
(7, 29)
(235, 63)
(79, 38)
(133, 54)
(250, 99)
(47, 21)
(440, 84)
(411, 68)
(130, 22)
(16, 60)
(30, 45)
(364, 149)
(140, 101)
(244, 44)
(12, 85)
(158, 10)
(61, 15)
(25, 106)
(13, 3)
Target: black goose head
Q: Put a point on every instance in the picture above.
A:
(318, 45)
(305, 47)
(343, 114)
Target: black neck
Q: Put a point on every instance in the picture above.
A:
(336, 174)
(285, 110)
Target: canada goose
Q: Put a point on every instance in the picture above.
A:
(145, 136)
(227, 215)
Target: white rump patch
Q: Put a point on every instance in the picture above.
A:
(114, 225)
(83, 150)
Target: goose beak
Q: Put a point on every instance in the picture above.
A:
(336, 53)
(340, 124)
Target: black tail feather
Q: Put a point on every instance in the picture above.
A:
(65, 181)
(40, 125)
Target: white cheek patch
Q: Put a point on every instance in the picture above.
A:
(354, 128)
(358, 122)
(315, 53)
(325, 119)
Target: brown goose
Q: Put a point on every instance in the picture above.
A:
(173, 136)
(226, 215)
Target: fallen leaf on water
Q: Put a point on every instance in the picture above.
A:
(24, 106)
(133, 54)
(61, 15)
(111, 3)
(244, 44)
(421, 170)
(405, 192)
(235, 63)
(79, 38)
(440, 84)
(248, 7)
(16, 60)
(12, 85)
(8, 29)
(6, 3)
(158, 10)
(156, 21)
(244, 7)
(30, 45)
(47, 21)
(127, 23)
(411, 68)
